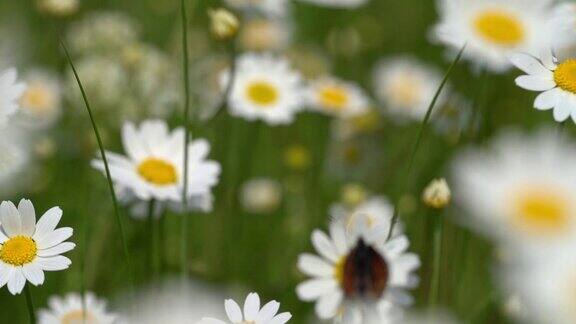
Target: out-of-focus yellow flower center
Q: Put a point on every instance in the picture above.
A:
(500, 27)
(565, 75)
(542, 211)
(158, 172)
(334, 97)
(18, 250)
(262, 93)
(37, 98)
(297, 157)
(339, 270)
(78, 317)
(405, 91)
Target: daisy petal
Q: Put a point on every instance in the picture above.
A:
(47, 223)
(564, 108)
(530, 65)
(324, 246)
(56, 237)
(5, 273)
(54, 263)
(535, 83)
(267, 312)
(251, 307)
(314, 266)
(28, 217)
(233, 311)
(548, 99)
(16, 282)
(327, 306)
(33, 273)
(10, 219)
(280, 318)
(312, 289)
(57, 249)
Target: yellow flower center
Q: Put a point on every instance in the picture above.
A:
(334, 98)
(37, 98)
(18, 250)
(339, 270)
(565, 76)
(541, 211)
(262, 93)
(405, 91)
(78, 317)
(158, 172)
(500, 27)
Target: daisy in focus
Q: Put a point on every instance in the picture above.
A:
(406, 86)
(337, 98)
(266, 88)
(28, 248)
(10, 92)
(252, 313)
(555, 80)
(493, 29)
(73, 309)
(358, 275)
(153, 167)
(520, 191)
(344, 4)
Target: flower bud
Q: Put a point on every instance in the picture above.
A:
(224, 24)
(437, 194)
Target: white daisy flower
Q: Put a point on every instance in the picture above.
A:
(15, 161)
(376, 210)
(521, 189)
(358, 276)
(346, 4)
(252, 313)
(267, 7)
(72, 308)
(40, 104)
(265, 87)
(153, 167)
(556, 80)
(494, 29)
(336, 97)
(10, 93)
(544, 285)
(406, 86)
(27, 248)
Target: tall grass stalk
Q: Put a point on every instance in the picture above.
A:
(30, 304)
(187, 123)
(106, 166)
(437, 258)
(423, 127)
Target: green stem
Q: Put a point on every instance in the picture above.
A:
(187, 124)
(151, 238)
(231, 48)
(423, 127)
(105, 160)
(437, 246)
(30, 305)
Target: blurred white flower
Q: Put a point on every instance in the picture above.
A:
(556, 80)
(58, 8)
(15, 161)
(543, 286)
(359, 275)
(153, 167)
(252, 313)
(521, 189)
(27, 248)
(41, 104)
(10, 93)
(172, 302)
(265, 34)
(265, 87)
(406, 87)
(337, 98)
(268, 7)
(493, 29)
(346, 4)
(72, 308)
(376, 211)
(101, 32)
(261, 195)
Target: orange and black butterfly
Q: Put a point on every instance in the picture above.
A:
(365, 272)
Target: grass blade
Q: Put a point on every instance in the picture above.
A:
(105, 160)
(423, 127)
